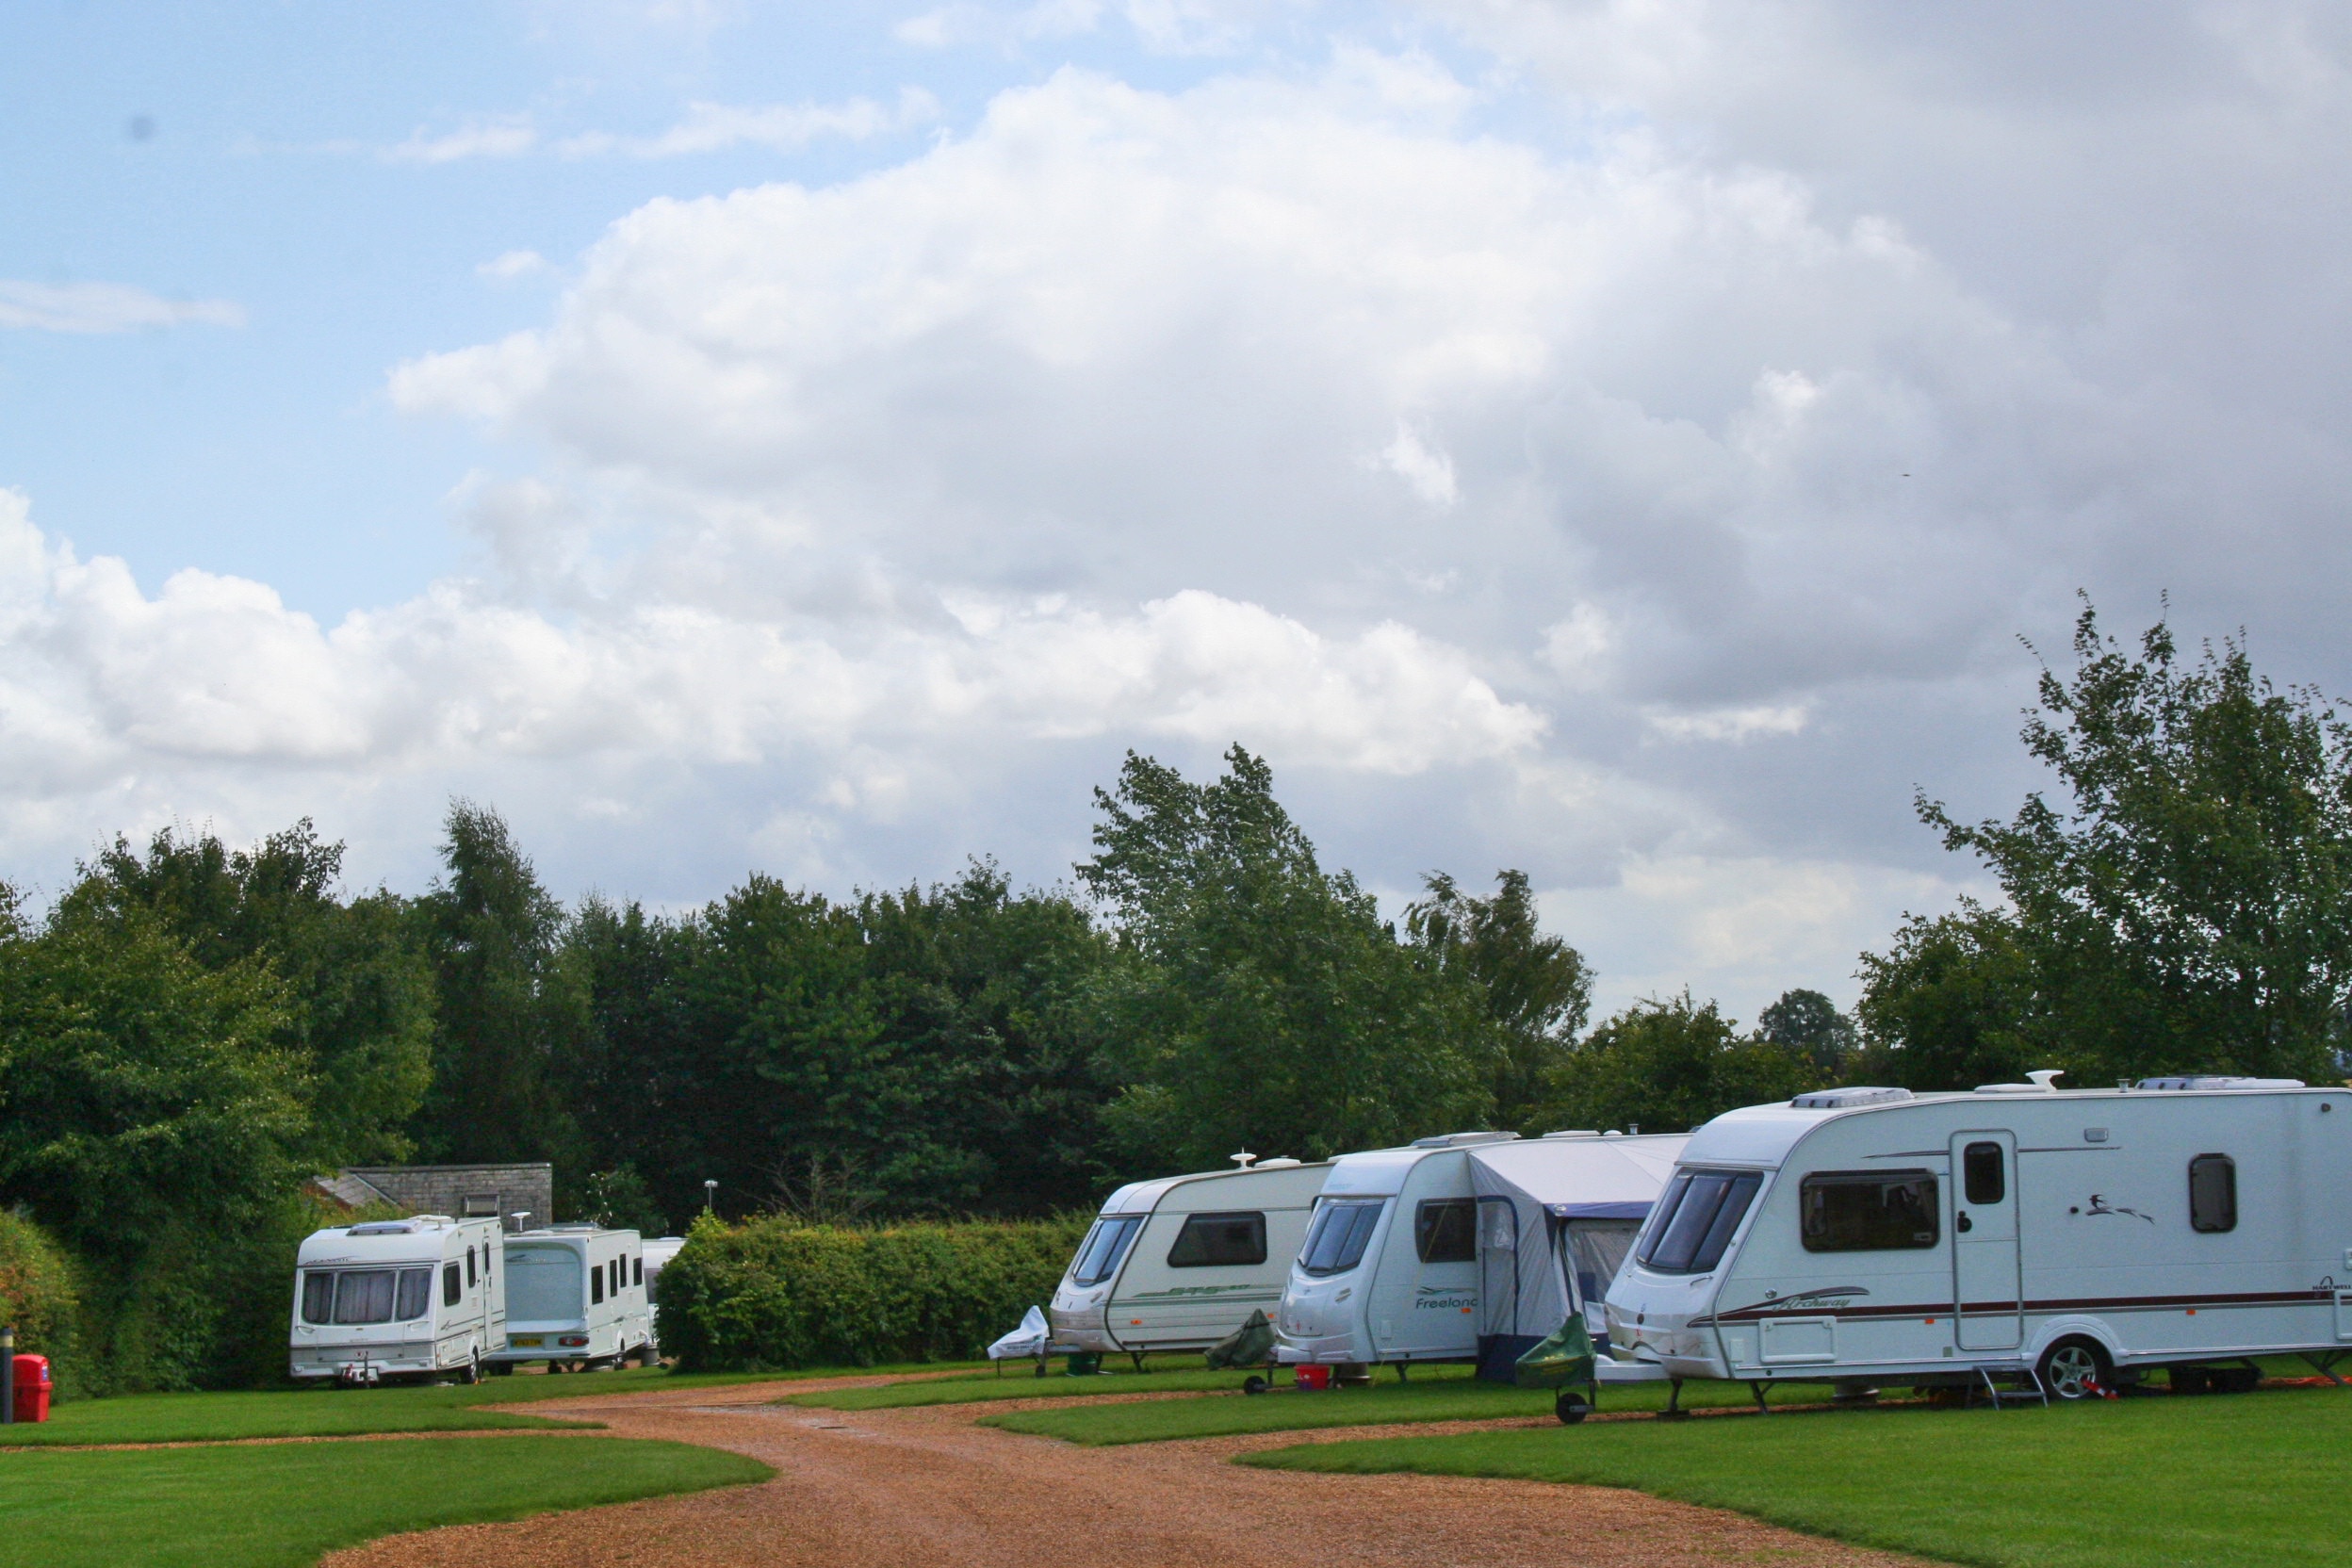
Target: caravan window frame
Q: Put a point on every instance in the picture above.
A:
(1930, 1212)
(1104, 1247)
(1694, 1243)
(1451, 1223)
(2213, 1205)
(1195, 1248)
(1341, 1243)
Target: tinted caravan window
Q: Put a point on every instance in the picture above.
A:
(1445, 1229)
(596, 1284)
(318, 1295)
(2213, 1193)
(1868, 1211)
(451, 1287)
(1696, 1220)
(415, 1293)
(1218, 1240)
(1342, 1229)
(1098, 1254)
(1982, 1176)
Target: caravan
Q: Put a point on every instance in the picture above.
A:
(415, 1297)
(1395, 1265)
(1179, 1263)
(2068, 1241)
(576, 1295)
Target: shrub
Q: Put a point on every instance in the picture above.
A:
(37, 1293)
(777, 1293)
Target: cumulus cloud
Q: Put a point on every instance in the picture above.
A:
(781, 128)
(103, 307)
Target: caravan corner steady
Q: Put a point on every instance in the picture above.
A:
(2069, 1240)
(1180, 1263)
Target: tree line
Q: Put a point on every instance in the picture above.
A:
(194, 1028)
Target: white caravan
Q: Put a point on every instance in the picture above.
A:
(575, 1293)
(2020, 1233)
(1557, 1215)
(1178, 1263)
(420, 1297)
(658, 1253)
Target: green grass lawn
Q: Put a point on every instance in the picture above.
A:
(348, 1412)
(282, 1506)
(2248, 1480)
(1434, 1394)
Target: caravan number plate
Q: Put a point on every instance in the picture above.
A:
(525, 1339)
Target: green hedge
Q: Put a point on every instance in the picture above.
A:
(776, 1293)
(37, 1292)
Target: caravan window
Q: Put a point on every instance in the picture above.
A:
(1218, 1240)
(1342, 1229)
(1445, 1229)
(1695, 1222)
(1098, 1254)
(415, 1294)
(1597, 1249)
(470, 1268)
(1981, 1174)
(451, 1288)
(542, 1284)
(2213, 1193)
(637, 1269)
(596, 1284)
(1868, 1211)
(363, 1296)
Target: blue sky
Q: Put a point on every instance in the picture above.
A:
(1622, 440)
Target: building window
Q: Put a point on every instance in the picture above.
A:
(1868, 1211)
(1981, 1174)
(1445, 1229)
(2213, 1193)
(479, 1205)
(1218, 1241)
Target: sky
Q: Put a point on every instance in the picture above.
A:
(1640, 442)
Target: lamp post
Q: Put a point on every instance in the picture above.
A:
(710, 1197)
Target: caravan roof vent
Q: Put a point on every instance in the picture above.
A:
(1575, 1133)
(2041, 1084)
(384, 1228)
(1846, 1100)
(1280, 1162)
(2218, 1081)
(1457, 1141)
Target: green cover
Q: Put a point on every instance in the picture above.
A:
(1564, 1359)
(1251, 1344)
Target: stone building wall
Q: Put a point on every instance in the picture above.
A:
(466, 1190)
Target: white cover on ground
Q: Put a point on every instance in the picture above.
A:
(1027, 1340)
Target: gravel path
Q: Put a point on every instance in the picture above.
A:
(926, 1487)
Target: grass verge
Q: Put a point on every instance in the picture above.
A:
(284, 1505)
(2250, 1481)
(1434, 1394)
(352, 1412)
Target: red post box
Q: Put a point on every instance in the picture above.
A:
(32, 1388)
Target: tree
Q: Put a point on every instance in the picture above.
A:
(2187, 905)
(1258, 1002)
(1535, 990)
(359, 995)
(510, 1012)
(1809, 1024)
(1669, 1065)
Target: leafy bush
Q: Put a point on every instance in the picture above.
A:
(777, 1293)
(37, 1292)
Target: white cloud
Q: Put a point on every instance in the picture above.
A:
(103, 307)
(505, 135)
(1729, 724)
(1428, 471)
(781, 128)
(510, 265)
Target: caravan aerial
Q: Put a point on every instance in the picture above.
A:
(415, 1297)
(1391, 1269)
(2062, 1240)
(1178, 1263)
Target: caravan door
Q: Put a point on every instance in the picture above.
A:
(1989, 1309)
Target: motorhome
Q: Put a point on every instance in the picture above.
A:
(575, 1297)
(1180, 1263)
(1556, 1218)
(1391, 1268)
(422, 1298)
(2016, 1237)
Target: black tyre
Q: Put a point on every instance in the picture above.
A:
(472, 1374)
(1254, 1384)
(500, 1369)
(1571, 1408)
(2235, 1379)
(2075, 1369)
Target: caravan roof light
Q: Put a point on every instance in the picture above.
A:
(1457, 1141)
(1845, 1100)
(2219, 1080)
(384, 1228)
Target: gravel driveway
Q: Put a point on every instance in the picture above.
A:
(927, 1486)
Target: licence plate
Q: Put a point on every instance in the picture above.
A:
(525, 1339)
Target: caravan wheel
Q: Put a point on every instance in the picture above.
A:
(2074, 1369)
(1571, 1408)
(473, 1370)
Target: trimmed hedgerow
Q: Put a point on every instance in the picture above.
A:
(775, 1294)
(37, 1292)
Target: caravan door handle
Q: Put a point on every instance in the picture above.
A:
(1962, 1223)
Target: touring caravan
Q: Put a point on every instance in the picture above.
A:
(1392, 1265)
(2018, 1235)
(1178, 1263)
(658, 1253)
(575, 1294)
(1555, 1216)
(418, 1297)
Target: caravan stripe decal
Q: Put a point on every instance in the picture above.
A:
(2085, 1303)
